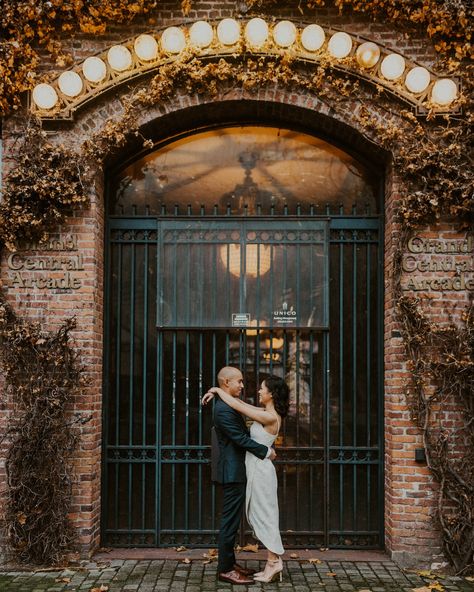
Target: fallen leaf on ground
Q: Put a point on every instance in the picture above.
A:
(364, 590)
(436, 586)
(65, 580)
(103, 588)
(312, 560)
(422, 589)
(186, 560)
(331, 573)
(294, 555)
(323, 548)
(212, 552)
(179, 549)
(469, 578)
(425, 573)
(253, 548)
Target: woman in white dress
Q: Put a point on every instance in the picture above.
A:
(261, 499)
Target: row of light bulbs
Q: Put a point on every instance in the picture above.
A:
(257, 34)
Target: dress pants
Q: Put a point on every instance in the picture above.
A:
(232, 506)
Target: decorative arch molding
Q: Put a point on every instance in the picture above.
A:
(404, 79)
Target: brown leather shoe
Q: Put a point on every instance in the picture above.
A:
(245, 571)
(234, 577)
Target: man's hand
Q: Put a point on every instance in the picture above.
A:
(273, 454)
(207, 397)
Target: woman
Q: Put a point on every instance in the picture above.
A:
(261, 501)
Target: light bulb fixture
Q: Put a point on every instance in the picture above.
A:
(146, 47)
(367, 54)
(201, 34)
(392, 66)
(284, 33)
(444, 92)
(173, 40)
(45, 96)
(312, 37)
(258, 259)
(94, 70)
(256, 32)
(417, 80)
(228, 31)
(119, 58)
(70, 83)
(340, 45)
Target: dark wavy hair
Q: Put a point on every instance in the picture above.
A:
(280, 393)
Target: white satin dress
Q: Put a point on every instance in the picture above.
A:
(261, 500)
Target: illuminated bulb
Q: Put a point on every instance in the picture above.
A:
(284, 33)
(119, 58)
(94, 70)
(256, 32)
(146, 47)
(417, 80)
(201, 34)
(70, 84)
(392, 66)
(367, 54)
(312, 37)
(258, 259)
(444, 91)
(44, 96)
(173, 40)
(228, 31)
(340, 45)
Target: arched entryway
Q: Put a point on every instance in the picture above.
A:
(261, 247)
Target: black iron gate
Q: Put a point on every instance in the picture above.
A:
(163, 352)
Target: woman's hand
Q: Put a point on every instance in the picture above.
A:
(207, 397)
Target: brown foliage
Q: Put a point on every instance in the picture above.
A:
(42, 376)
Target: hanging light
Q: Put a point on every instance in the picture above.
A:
(417, 80)
(284, 33)
(312, 37)
(228, 31)
(444, 91)
(94, 70)
(258, 259)
(44, 96)
(119, 58)
(201, 34)
(367, 54)
(70, 83)
(173, 40)
(256, 32)
(340, 45)
(392, 66)
(146, 47)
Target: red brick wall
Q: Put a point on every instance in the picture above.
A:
(409, 491)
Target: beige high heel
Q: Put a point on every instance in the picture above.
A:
(272, 569)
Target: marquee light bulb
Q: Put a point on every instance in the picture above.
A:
(444, 91)
(70, 83)
(284, 33)
(201, 34)
(312, 37)
(367, 54)
(45, 96)
(417, 80)
(173, 40)
(94, 70)
(392, 66)
(146, 47)
(119, 58)
(340, 45)
(256, 32)
(228, 31)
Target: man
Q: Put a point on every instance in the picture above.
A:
(233, 442)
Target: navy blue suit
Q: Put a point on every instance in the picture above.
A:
(233, 441)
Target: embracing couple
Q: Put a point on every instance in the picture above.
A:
(246, 471)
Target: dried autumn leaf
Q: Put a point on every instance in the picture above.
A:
(180, 549)
(312, 560)
(294, 555)
(186, 560)
(331, 574)
(101, 588)
(249, 547)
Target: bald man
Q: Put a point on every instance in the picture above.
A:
(234, 441)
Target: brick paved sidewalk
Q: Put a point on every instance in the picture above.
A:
(175, 576)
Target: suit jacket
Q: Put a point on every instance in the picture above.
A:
(230, 441)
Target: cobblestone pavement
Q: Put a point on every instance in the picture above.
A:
(175, 576)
